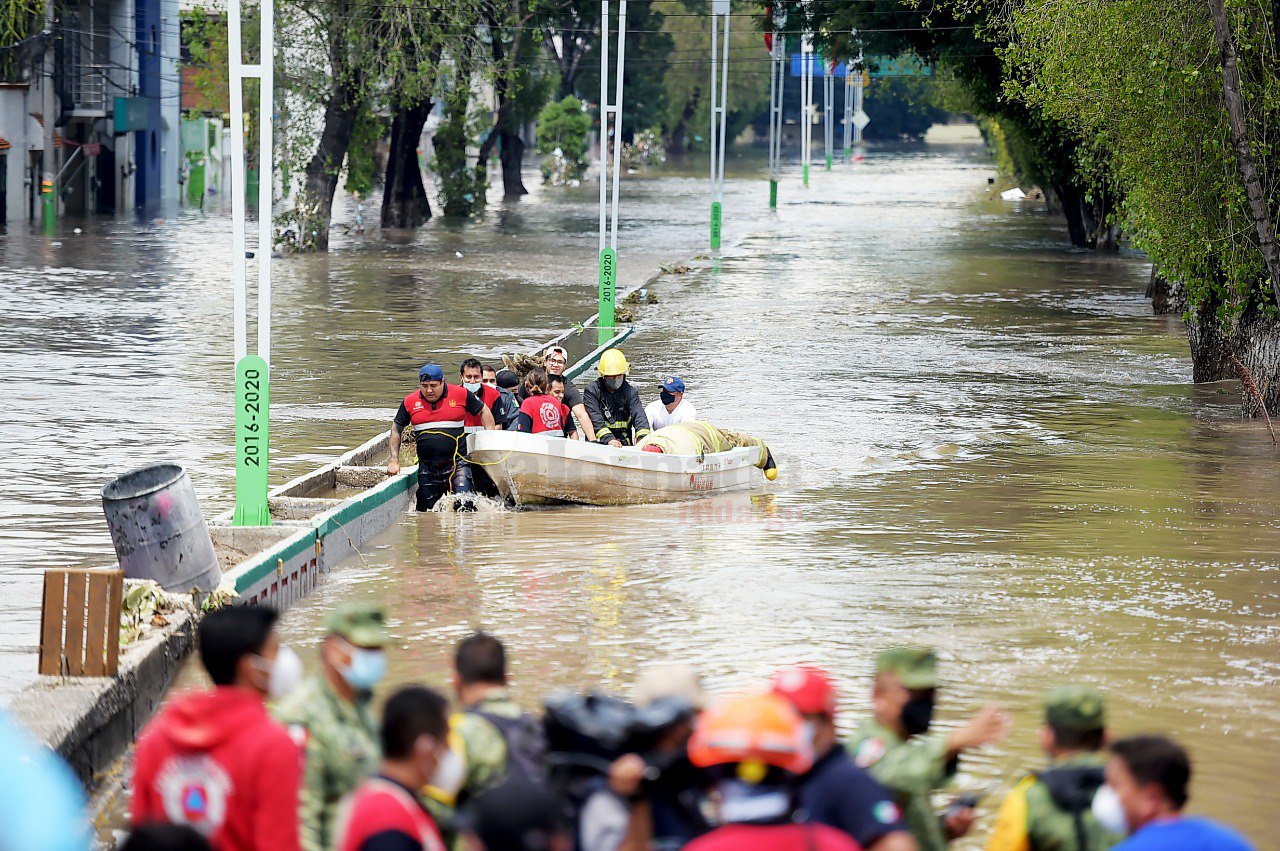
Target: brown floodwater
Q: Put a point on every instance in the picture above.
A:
(987, 444)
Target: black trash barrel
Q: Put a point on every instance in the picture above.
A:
(158, 530)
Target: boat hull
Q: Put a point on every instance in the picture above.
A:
(530, 469)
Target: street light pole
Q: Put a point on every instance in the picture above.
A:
(610, 115)
(719, 96)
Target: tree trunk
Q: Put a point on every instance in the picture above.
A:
(1211, 346)
(1258, 348)
(1166, 296)
(1242, 142)
(1080, 224)
(511, 153)
(325, 166)
(404, 199)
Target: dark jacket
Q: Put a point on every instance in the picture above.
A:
(615, 414)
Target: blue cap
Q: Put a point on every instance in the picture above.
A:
(673, 384)
(431, 372)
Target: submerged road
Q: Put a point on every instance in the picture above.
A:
(987, 443)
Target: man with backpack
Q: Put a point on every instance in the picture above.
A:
(1051, 808)
(504, 797)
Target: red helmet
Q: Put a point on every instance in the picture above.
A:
(752, 728)
(809, 689)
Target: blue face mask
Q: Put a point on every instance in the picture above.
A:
(366, 670)
(472, 387)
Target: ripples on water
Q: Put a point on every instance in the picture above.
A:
(986, 442)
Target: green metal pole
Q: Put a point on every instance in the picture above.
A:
(253, 398)
(773, 193)
(828, 162)
(608, 294)
(49, 207)
(717, 213)
(806, 174)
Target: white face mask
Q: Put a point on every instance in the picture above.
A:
(471, 386)
(1108, 811)
(450, 773)
(283, 674)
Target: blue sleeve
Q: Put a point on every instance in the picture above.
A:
(856, 804)
(524, 422)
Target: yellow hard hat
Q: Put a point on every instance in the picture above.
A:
(612, 362)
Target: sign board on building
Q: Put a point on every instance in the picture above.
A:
(131, 114)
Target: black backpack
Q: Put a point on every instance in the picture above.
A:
(518, 812)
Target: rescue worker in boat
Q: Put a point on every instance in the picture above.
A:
(670, 407)
(1052, 809)
(438, 413)
(557, 390)
(613, 405)
(540, 412)
(508, 384)
(385, 813)
(757, 746)
(330, 716)
(557, 362)
(702, 438)
(835, 791)
(893, 746)
(471, 373)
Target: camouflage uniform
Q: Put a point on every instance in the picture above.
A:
(911, 769)
(1038, 814)
(339, 736)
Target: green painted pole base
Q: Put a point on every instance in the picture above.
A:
(828, 162)
(848, 154)
(253, 398)
(773, 193)
(717, 216)
(806, 174)
(49, 209)
(195, 186)
(608, 294)
(251, 188)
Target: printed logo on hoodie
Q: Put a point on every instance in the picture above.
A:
(194, 791)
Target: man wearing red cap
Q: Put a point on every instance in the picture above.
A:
(835, 791)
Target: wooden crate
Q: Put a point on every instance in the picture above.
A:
(80, 623)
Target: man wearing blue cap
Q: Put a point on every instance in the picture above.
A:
(438, 414)
(670, 408)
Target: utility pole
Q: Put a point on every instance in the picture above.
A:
(719, 96)
(848, 111)
(253, 372)
(828, 109)
(777, 80)
(860, 119)
(806, 106)
(48, 162)
(610, 114)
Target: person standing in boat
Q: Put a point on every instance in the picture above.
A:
(437, 412)
(540, 412)
(614, 405)
(557, 362)
(670, 408)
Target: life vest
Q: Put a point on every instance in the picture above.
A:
(438, 427)
(488, 395)
(546, 412)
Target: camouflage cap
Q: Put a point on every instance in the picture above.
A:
(363, 624)
(1075, 708)
(916, 667)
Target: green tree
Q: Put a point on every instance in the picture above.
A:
(565, 127)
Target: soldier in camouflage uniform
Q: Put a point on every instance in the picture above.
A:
(893, 747)
(329, 716)
(1051, 810)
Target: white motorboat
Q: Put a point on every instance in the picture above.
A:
(533, 469)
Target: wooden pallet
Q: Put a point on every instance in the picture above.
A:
(80, 623)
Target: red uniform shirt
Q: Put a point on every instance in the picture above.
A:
(383, 814)
(489, 396)
(775, 837)
(438, 427)
(216, 761)
(544, 413)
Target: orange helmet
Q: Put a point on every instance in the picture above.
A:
(809, 689)
(760, 728)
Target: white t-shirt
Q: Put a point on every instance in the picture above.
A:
(660, 417)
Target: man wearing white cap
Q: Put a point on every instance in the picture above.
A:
(670, 408)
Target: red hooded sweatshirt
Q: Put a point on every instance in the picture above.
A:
(216, 761)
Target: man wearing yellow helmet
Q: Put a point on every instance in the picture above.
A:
(613, 404)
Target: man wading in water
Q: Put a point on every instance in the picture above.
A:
(438, 413)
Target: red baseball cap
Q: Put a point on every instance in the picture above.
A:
(809, 689)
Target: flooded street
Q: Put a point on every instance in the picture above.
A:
(985, 440)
